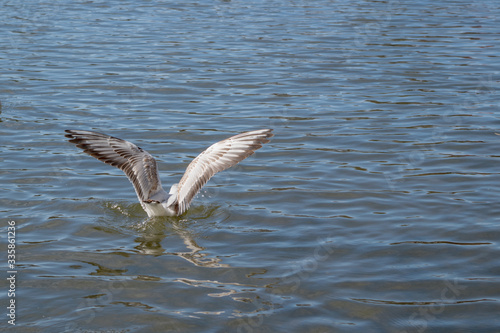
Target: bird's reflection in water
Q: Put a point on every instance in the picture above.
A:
(154, 230)
(251, 294)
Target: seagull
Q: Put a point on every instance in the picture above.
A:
(142, 171)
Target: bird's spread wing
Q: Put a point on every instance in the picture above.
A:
(139, 166)
(216, 158)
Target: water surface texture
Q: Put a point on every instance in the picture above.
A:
(373, 209)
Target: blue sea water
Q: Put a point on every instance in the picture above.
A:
(373, 209)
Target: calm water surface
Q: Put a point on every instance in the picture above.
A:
(374, 208)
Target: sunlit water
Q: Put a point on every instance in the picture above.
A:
(373, 209)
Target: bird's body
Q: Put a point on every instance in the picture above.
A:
(141, 169)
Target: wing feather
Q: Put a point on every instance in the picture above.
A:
(218, 157)
(139, 166)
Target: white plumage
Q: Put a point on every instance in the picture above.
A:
(140, 167)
